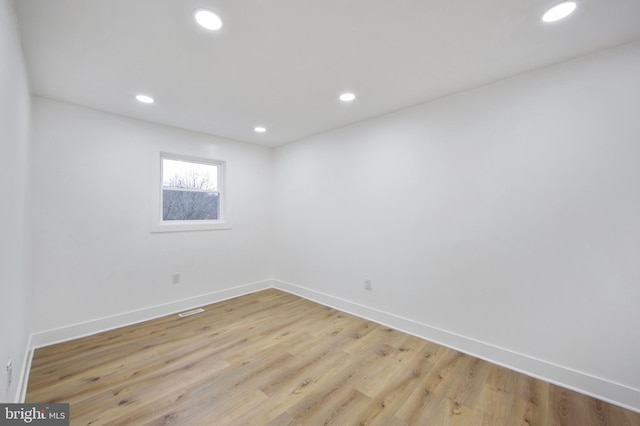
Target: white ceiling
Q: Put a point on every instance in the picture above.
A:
(282, 63)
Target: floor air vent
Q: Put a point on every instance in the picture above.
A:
(189, 313)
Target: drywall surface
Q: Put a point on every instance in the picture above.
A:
(94, 255)
(14, 171)
(507, 214)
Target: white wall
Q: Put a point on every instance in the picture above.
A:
(93, 253)
(14, 167)
(508, 214)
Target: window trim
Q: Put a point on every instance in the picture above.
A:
(158, 224)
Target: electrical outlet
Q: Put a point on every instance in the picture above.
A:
(9, 373)
(368, 285)
(175, 279)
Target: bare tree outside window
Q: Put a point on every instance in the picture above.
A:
(189, 191)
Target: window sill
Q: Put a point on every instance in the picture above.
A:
(182, 226)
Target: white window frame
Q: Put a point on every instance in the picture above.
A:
(160, 225)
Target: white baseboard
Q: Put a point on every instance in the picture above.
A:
(74, 331)
(606, 390)
(21, 389)
(614, 393)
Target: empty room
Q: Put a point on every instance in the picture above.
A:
(320, 212)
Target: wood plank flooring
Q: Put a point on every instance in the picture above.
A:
(271, 358)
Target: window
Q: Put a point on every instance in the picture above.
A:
(191, 195)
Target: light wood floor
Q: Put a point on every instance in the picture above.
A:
(271, 358)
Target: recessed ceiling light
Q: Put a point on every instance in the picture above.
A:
(208, 19)
(559, 11)
(347, 97)
(259, 129)
(145, 99)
